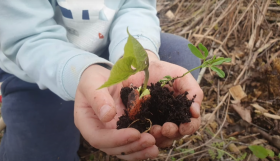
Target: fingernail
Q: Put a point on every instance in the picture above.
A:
(104, 110)
(196, 107)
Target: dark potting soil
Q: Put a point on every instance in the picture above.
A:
(161, 107)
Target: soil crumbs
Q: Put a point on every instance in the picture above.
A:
(162, 106)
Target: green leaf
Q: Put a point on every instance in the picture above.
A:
(221, 60)
(232, 138)
(120, 71)
(218, 71)
(220, 154)
(203, 48)
(241, 158)
(227, 60)
(214, 57)
(134, 49)
(279, 155)
(168, 77)
(134, 56)
(270, 152)
(146, 92)
(195, 51)
(259, 151)
(218, 59)
(212, 153)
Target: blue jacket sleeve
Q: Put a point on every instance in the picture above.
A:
(139, 16)
(36, 49)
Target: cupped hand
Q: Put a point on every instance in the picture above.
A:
(96, 114)
(166, 134)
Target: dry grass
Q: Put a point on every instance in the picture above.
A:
(248, 32)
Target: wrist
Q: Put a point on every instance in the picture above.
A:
(152, 56)
(95, 70)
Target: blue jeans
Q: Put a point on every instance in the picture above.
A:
(40, 125)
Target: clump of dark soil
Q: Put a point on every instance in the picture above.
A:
(160, 107)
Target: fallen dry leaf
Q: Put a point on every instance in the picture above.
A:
(258, 141)
(237, 93)
(207, 118)
(244, 113)
(233, 148)
(170, 14)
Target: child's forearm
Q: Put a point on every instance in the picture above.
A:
(36, 49)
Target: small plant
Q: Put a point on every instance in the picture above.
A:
(135, 59)
(155, 104)
(212, 63)
(216, 152)
(187, 151)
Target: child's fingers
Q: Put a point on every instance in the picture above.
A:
(150, 152)
(190, 127)
(102, 103)
(144, 142)
(161, 141)
(170, 130)
(189, 84)
(91, 129)
(100, 100)
(156, 132)
(195, 110)
(110, 138)
(166, 143)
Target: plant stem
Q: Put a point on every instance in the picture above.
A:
(186, 73)
(145, 81)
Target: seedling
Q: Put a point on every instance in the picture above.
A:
(135, 59)
(211, 63)
(156, 104)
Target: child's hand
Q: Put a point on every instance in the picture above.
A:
(96, 113)
(166, 134)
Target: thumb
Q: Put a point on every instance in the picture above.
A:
(100, 100)
(102, 104)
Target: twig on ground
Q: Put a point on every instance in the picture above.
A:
(207, 37)
(191, 155)
(170, 151)
(178, 9)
